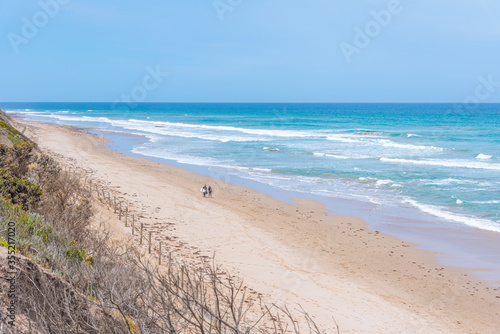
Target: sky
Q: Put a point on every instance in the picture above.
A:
(250, 51)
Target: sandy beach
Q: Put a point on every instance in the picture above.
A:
(330, 265)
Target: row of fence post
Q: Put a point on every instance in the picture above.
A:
(117, 207)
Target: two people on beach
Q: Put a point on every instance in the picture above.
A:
(206, 191)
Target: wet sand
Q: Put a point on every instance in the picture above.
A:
(333, 266)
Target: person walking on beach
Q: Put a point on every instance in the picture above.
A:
(204, 190)
(210, 191)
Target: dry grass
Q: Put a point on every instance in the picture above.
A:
(91, 285)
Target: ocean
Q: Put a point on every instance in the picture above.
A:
(437, 162)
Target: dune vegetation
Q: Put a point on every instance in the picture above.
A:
(74, 278)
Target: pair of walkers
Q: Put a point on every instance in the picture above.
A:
(206, 191)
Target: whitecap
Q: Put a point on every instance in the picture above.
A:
(379, 142)
(486, 202)
(259, 132)
(448, 181)
(481, 223)
(388, 143)
(483, 156)
(338, 156)
(344, 139)
(262, 169)
(382, 182)
(445, 163)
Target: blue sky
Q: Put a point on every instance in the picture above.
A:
(250, 50)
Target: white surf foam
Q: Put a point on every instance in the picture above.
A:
(156, 128)
(445, 163)
(26, 112)
(332, 156)
(366, 178)
(337, 156)
(383, 182)
(186, 159)
(343, 138)
(259, 132)
(261, 169)
(486, 202)
(481, 223)
(388, 143)
(483, 156)
(447, 181)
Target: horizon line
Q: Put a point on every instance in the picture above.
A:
(229, 102)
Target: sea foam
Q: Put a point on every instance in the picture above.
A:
(445, 163)
(440, 212)
(483, 156)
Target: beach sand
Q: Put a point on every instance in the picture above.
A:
(333, 266)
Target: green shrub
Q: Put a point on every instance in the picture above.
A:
(75, 254)
(28, 225)
(17, 159)
(19, 191)
(6, 244)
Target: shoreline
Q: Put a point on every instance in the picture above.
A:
(332, 265)
(408, 222)
(423, 230)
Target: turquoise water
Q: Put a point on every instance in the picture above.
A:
(439, 160)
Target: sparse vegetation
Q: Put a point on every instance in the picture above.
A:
(89, 284)
(10, 133)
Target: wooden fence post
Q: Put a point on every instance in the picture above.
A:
(182, 277)
(114, 204)
(149, 247)
(126, 216)
(159, 253)
(133, 221)
(140, 240)
(120, 212)
(169, 262)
